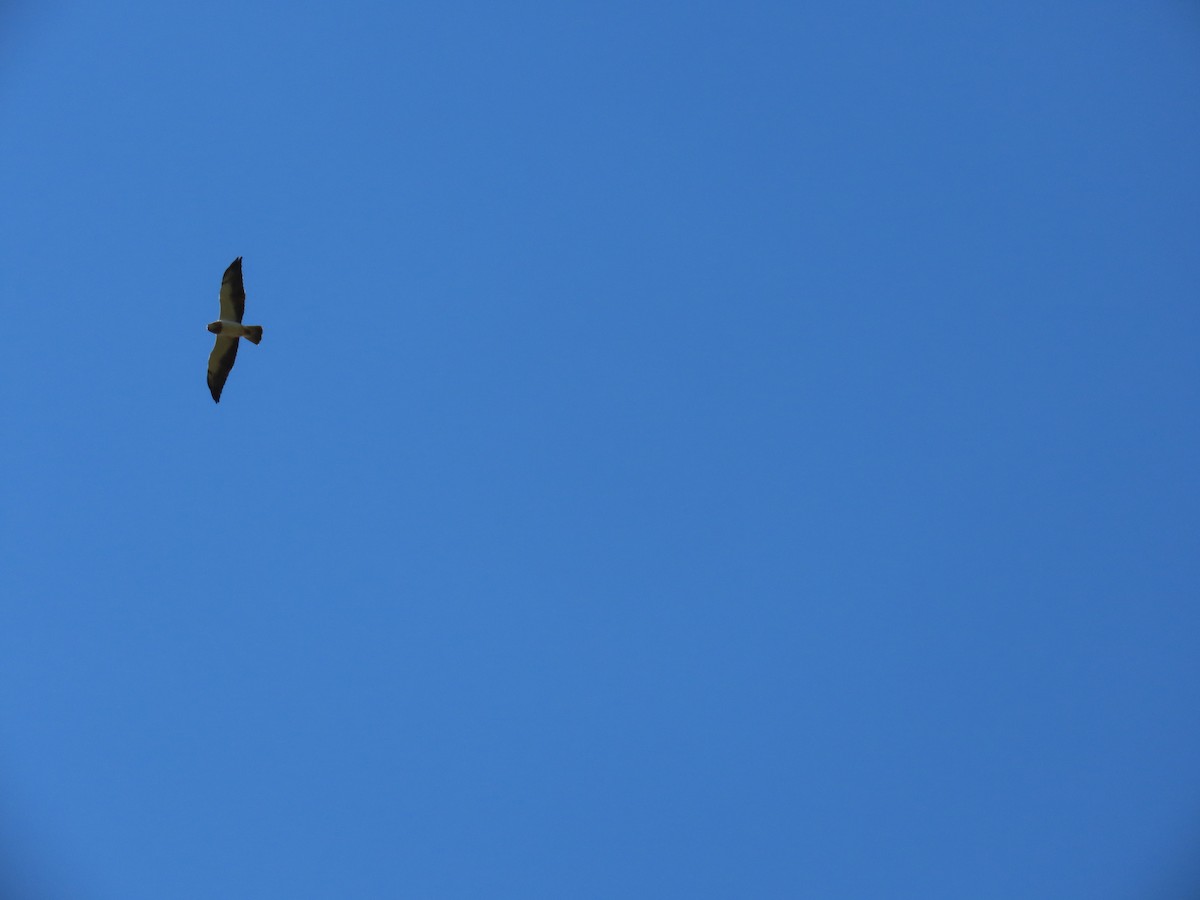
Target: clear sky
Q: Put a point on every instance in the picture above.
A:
(697, 450)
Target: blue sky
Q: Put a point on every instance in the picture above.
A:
(696, 450)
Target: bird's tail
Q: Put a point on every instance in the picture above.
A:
(253, 333)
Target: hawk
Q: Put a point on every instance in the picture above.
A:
(229, 328)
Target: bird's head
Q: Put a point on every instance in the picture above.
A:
(214, 327)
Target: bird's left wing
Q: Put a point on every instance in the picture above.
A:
(233, 295)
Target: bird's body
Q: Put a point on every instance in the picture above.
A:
(229, 329)
(252, 333)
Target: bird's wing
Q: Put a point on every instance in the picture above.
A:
(233, 295)
(220, 361)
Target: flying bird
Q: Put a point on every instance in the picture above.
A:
(229, 328)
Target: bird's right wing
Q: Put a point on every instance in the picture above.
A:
(220, 361)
